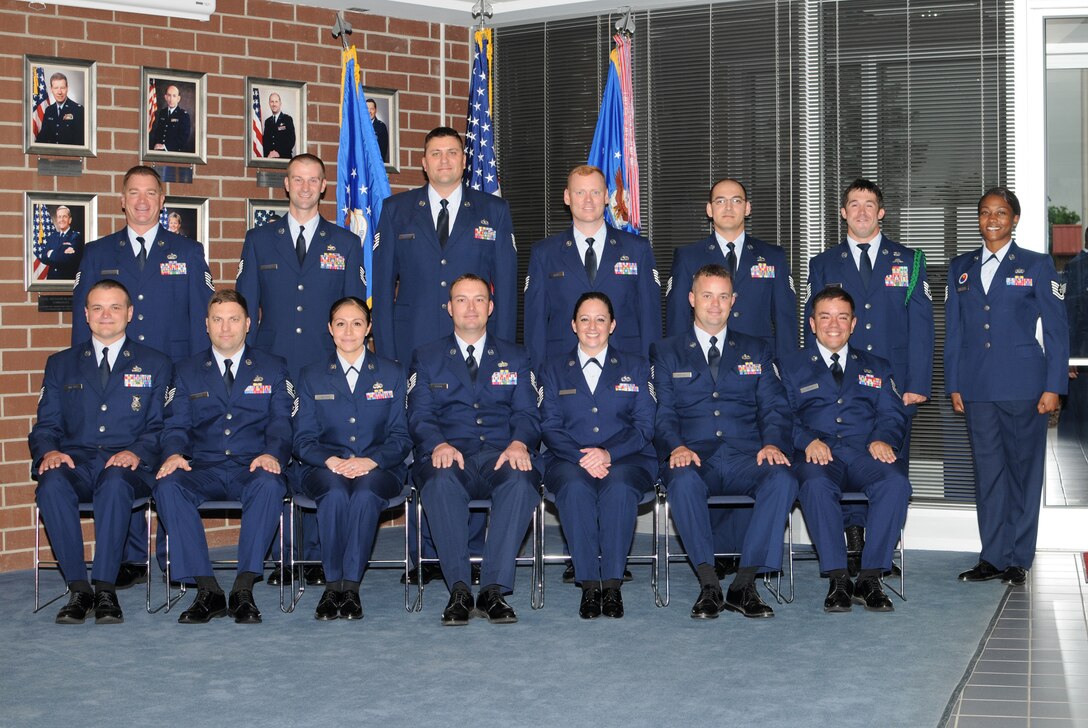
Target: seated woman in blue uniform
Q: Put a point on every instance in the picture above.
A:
(351, 434)
(597, 418)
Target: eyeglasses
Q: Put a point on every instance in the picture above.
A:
(731, 201)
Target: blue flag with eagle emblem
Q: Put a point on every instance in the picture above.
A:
(613, 148)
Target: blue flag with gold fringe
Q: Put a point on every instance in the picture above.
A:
(613, 148)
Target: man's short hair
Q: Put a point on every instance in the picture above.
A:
(1005, 194)
(276, 95)
(62, 207)
(372, 101)
(734, 180)
(470, 277)
(352, 300)
(58, 76)
(833, 293)
(141, 170)
(712, 270)
(107, 284)
(228, 295)
(307, 157)
(442, 131)
(584, 170)
(864, 185)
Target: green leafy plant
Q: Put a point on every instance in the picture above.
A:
(1061, 215)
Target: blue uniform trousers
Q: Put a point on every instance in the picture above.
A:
(853, 514)
(112, 490)
(446, 492)
(729, 472)
(1008, 444)
(178, 495)
(348, 511)
(853, 471)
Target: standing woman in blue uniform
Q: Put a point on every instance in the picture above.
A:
(1005, 383)
(597, 417)
(351, 435)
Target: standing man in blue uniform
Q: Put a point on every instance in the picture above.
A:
(227, 437)
(723, 427)
(63, 248)
(380, 129)
(473, 418)
(291, 272)
(97, 439)
(62, 122)
(1004, 382)
(590, 256)
(279, 131)
(849, 423)
(894, 311)
(173, 127)
(430, 236)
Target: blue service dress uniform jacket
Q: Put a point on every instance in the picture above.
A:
(412, 272)
(62, 126)
(993, 360)
(766, 302)
(290, 303)
(90, 424)
(598, 515)
(370, 422)
(866, 408)
(279, 136)
(62, 265)
(480, 418)
(220, 432)
(172, 130)
(726, 421)
(626, 273)
(169, 296)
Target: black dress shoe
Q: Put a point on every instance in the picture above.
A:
(568, 573)
(490, 604)
(130, 574)
(855, 543)
(430, 573)
(840, 594)
(476, 571)
(590, 608)
(982, 571)
(279, 575)
(351, 606)
(612, 603)
(746, 600)
(207, 606)
(709, 604)
(1015, 575)
(868, 591)
(242, 607)
(315, 575)
(75, 611)
(726, 565)
(458, 608)
(328, 608)
(106, 608)
(627, 576)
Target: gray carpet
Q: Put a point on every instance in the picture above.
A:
(654, 667)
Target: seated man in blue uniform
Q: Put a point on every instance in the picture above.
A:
(352, 438)
(473, 418)
(849, 424)
(227, 437)
(723, 428)
(97, 439)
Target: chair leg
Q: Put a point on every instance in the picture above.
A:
(668, 559)
(284, 560)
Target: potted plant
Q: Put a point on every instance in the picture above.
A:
(1066, 234)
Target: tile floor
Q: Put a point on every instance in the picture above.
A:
(1032, 669)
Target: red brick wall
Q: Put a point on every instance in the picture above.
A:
(244, 38)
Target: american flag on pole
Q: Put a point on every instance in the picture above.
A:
(613, 148)
(152, 104)
(258, 125)
(164, 218)
(480, 171)
(40, 100)
(43, 228)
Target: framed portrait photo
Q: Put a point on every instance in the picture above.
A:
(265, 212)
(59, 99)
(56, 227)
(276, 125)
(384, 108)
(187, 217)
(174, 127)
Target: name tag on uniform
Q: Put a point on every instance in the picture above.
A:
(484, 233)
(174, 120)
(626, 387)
(681, 375)
(558, 274)
(198, 395)
(439, 385)
(110, 272)
(259, 389)
(749, 368)
(380, 394)
(898, 278)
(137, 380)
(173, 268)
(70, 387)
(406, 236)
(332, 261)
(324, 397)
(762, 270)
(269, 266)
(504, 377)
(565, 392)
(1019, 281)
(810, 388)
(626, 268)
(868, 380)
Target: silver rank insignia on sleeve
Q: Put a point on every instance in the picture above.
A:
(657, 278)
(1058, 289)
(668, 286)
(208, 281)
(377, 238)
(526, 285)
(241, 264)
(411, 382)
(170, 392)
(925, 289)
